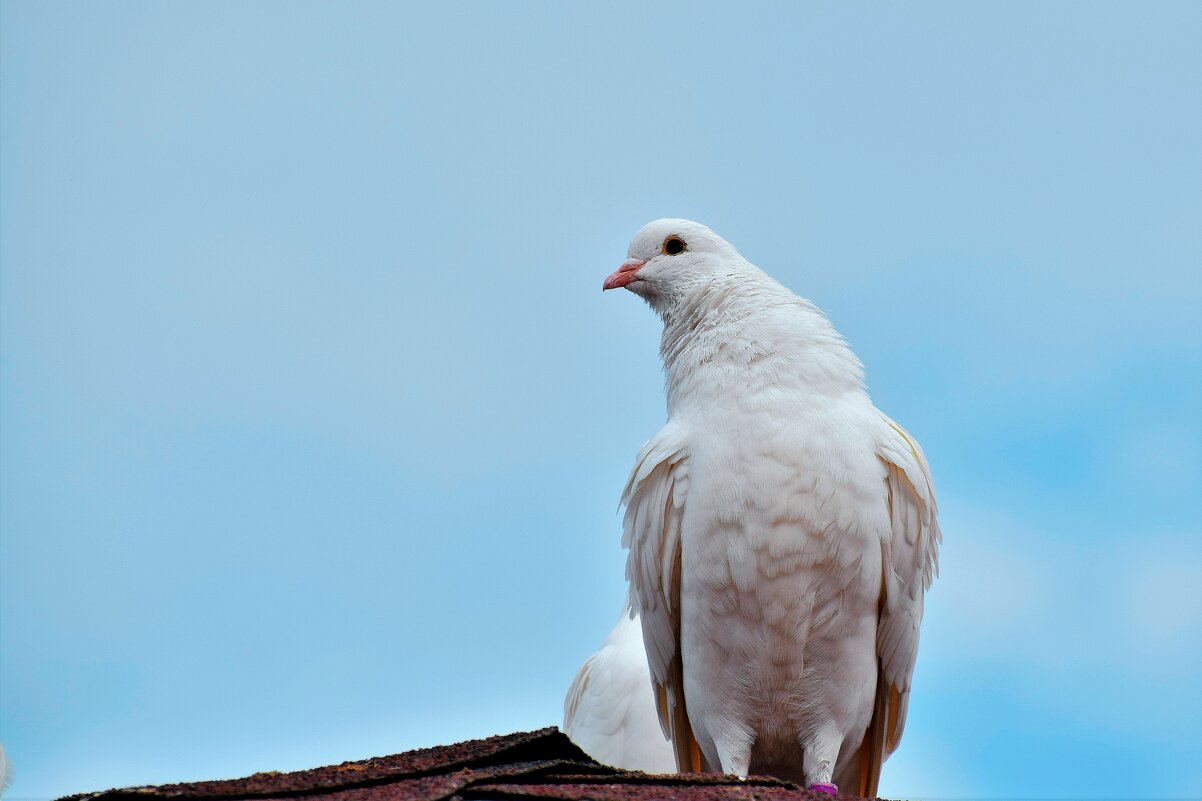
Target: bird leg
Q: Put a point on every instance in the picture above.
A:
(818, 761)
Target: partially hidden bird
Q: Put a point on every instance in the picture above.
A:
(610, 710)
(781, 530)
(5, 771)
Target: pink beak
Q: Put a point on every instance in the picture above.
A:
(624, 275)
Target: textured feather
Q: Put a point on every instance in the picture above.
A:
(910, 563)
(911, 560)
(654, 497)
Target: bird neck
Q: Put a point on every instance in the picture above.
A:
(740, 338)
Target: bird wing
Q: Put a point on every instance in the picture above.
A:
(654, 498)
(609, 710)
(910, 562)
(592, 710)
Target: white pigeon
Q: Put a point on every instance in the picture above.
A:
(781, 529)
(609, 710)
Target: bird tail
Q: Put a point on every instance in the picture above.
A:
(684, 743)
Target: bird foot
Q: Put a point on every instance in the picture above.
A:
(824, 787)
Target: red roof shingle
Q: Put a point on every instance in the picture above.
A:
(540, 765)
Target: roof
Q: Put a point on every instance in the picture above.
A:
(528, 766)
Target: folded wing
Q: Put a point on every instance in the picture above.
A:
(654, 498)
(910, 563)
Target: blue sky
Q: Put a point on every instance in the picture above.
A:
(313, 417)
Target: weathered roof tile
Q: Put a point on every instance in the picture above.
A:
(540, 765)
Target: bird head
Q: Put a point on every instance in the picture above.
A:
(669, 259)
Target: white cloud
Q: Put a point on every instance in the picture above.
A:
(1012, 594)
(1166, 603)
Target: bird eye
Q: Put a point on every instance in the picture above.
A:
(674, 245)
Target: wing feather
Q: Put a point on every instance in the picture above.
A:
(910, 563)
(654, 498)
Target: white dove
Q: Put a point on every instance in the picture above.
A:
(781, 529)
(609, 710)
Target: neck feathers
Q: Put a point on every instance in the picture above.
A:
(737, 337)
